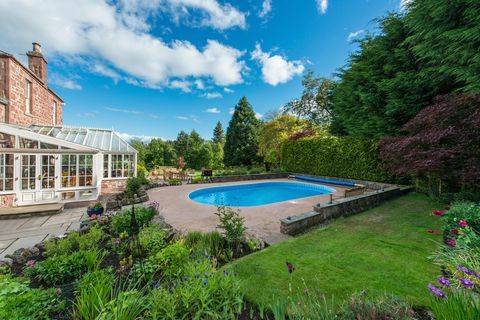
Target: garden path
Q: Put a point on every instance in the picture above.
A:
(26, 232)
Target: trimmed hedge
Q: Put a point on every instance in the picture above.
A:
(342, 157)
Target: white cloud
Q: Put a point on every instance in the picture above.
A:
(199, 84)
(212, 110)
(228, 90)
(276, 69)
(212, 13)
(212, 95)
(63, 82)
(322, 6)
(181, 84)
(266, 8)
(130, 137)
(86, 115)
(190, 117)
(106, 71)
(353, 35)
(117, 34)
(258, 115)
(128, 111)
(231, 111)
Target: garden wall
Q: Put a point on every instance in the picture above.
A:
(247, 177)
(344, 207)
(345, 157)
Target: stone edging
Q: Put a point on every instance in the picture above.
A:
(326, 212)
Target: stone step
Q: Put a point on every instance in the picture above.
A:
(30, 211)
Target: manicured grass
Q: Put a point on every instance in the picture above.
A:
(384, 249)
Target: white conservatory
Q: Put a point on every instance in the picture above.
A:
(59, 164)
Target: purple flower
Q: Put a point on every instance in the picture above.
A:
(197, 275)
(206, 275)
(463, 269)
(156, 285)
(290, 267)
(444, 281)
(466, 283)
(205, 282)
(185, 278)
(436, 291)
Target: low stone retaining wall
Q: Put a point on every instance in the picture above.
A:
(247, 177)
(326, 212)
(368, 184)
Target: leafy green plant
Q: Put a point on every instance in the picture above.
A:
(61, 269)
(121, 222)
(456, 297)
(96, 205)
(93, 291)
(213, 243)
(344, 157)
(458, 305)
(152, 239)
(202, 293)
(172, 259)
(231, 223)
(359, 306)
(126, 305)
(74, 242)
(254, 244)
(146, 270)
(192, 238)
(134, 185)
(174, 182)
(18, 301)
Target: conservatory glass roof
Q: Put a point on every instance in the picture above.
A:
(103, 139)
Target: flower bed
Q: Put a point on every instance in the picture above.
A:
(455, 295)
(128, 266)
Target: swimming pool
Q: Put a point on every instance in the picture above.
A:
(257, 194)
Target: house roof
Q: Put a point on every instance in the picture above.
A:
(82, 139)
(101, 139)
(40, 81)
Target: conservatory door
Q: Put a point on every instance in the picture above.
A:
(37, 179)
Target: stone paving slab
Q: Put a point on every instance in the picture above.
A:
(28, 231)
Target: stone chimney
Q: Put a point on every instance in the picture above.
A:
(37, 63)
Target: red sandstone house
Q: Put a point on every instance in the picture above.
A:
(43, 161)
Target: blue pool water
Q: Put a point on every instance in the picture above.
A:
(257, 194)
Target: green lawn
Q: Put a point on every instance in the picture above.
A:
(384, 249)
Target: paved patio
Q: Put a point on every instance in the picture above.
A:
(26, 232)
(262, 221)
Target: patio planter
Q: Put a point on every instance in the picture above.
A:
(96, 211)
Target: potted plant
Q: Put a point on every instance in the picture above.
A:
(96, 209)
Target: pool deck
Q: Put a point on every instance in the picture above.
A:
(262, 221)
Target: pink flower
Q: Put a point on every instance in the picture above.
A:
(429, 231)
(454, 231)
(438, 212)
(451, 243)
(93, 216)
(463, 223)
(30, 263)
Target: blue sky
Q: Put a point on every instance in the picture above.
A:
(155, 67)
